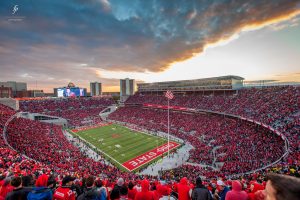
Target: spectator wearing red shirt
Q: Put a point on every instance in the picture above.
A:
(254, 188)
(145, 194)
(5, 188)
(131, 190)
(65, 192)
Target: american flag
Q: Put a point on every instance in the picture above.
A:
(169, 94)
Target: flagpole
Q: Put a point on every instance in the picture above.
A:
(168, 128)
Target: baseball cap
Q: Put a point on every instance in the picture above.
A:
(120, 182)
(221, 183)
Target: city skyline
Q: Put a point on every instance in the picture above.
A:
(52, 43)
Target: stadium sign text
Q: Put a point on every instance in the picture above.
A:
(148, 156)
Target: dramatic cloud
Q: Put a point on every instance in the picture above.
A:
(68, 40)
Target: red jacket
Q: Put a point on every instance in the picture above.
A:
(42, 181)
(5, 189)
(236, 193)
(183, 190)
(132, 193)
(256, 188)
(63, 193)
(145, 194)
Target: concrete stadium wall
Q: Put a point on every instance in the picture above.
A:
(14, 104)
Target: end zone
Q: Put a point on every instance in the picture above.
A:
(148, 156)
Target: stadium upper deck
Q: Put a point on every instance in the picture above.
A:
(215, 83)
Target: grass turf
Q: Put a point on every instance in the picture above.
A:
(132, 143)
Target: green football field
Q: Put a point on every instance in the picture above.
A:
(119, 142)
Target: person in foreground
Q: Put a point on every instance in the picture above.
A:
(19, 192)
(41, 190)
(145, 194)
(223, 189)
(65, 192)
(281, 187)
(236, 193)
(200, 192)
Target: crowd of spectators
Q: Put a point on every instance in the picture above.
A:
(47, 144)
(242, 146)
(78, 111)
(5, 114)
(269, 105)
(276, 106)
(59, 168)
(49, 186)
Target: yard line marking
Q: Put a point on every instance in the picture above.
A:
(123, 130)
(102, 152)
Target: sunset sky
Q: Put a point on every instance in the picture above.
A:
(49, 43)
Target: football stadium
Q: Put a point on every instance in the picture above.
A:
(210, 109)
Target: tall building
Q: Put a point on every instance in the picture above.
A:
(96, 88)
(5, 92)
(127, 88)
(17, 88)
